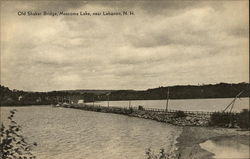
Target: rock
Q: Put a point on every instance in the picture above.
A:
(188, 118)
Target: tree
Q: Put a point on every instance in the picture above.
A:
(13, 145)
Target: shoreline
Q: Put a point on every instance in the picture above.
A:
(188, 143)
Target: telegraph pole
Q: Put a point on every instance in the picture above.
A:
(108, 99)
(167, 100)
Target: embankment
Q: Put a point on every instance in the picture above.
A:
(172, 117)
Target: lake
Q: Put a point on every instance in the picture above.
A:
(209, 105)
(63, 133)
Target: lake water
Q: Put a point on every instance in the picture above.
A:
(209, 105)
(63, 133)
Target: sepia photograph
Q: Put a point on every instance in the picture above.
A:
(123, 79)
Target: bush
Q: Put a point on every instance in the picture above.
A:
(13, 145)
(223, 119)
(161, 155)
(140, 107)
(131, 110)
(179, 114)
(244, 119)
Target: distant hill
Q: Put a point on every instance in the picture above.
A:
(221, 90)
(82, 91)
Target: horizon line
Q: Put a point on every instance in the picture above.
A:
(82, 89)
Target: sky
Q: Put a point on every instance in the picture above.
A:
(164, 43)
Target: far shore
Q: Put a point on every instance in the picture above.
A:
(31, 105)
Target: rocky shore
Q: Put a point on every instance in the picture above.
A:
(176, 118)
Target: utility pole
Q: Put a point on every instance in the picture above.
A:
(167, 100)
(108, 99)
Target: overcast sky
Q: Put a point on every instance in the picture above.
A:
(164, 43)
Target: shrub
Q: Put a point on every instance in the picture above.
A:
(179, 114)
(140, 107)
(244, 119)
(151, 155)
(13, 145)
(131, 110)
(223, 119)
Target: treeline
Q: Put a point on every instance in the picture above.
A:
(18, 97)
(221, 90)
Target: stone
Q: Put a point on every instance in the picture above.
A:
(188, 118)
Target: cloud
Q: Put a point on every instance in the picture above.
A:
(197, 26)
(165, 43)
